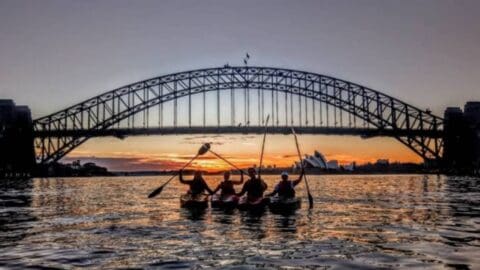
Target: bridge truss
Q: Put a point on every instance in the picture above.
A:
(237, 100)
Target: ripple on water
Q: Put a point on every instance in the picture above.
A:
(359, 222)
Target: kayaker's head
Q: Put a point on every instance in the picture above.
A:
(226, 175)
(197, 175)
(252, 172)
(284, 176)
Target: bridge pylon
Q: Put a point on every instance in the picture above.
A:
(17, 156)
(462, 139)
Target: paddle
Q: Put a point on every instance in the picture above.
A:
(222, 158)
(310, 198)
(263, 146)
(205, 147)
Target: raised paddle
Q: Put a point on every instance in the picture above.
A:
(205, 147)
(310, 198)
(224, 159)
(263, 146)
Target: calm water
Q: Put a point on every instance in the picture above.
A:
(395, 221)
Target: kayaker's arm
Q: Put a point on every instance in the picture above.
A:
(239, 181)
(180, 177)
(296, 182)
(208, 188)
(275, 191)
(244, 190)
(217, 189)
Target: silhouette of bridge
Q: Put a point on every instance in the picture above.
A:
(238, 100)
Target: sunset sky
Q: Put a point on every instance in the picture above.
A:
(423, 52)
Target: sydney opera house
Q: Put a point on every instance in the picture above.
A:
(318, 161)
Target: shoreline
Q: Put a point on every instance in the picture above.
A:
(133, 174)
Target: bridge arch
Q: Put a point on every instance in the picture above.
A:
(59, 133)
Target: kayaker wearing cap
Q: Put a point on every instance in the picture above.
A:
(197, 184)
(254, 187)
(286, 188)
(227, 185)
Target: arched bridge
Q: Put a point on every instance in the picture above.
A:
(237, 100)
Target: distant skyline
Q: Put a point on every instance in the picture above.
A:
(54, 54)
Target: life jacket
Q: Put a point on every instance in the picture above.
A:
(286, 189)
(227, 188)
(255, 188)
(197, 186)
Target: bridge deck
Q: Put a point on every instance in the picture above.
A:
(124, 132)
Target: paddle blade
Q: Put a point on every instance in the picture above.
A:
(204, 149)
(310, 201)
(155, 192)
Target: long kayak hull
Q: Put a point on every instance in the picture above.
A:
(256, 204)
(284, 205)
(199, 201)
(224, 202)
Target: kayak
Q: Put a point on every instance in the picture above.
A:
(284, 205)
(228, 201)
(194, 201)
(252, 204)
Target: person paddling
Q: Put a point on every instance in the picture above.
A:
(254, 187)
(226, 186)
(197, 184)
(286, 188)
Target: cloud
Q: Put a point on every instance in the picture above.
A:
(128, 163)
(169, 161)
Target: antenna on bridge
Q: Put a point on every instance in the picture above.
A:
(246, 58)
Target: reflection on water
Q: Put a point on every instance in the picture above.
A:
(395, 221)
(15, 214)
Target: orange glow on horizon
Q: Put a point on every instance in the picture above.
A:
(173, 152)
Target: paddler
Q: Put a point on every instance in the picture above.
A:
(254, 187)
(286, 188)
(227, 185)
(197, 184)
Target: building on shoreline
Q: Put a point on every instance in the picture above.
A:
(317, 161)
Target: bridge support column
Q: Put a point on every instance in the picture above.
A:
(17, 155)
(462, 139)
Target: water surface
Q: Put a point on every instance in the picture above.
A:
(370, 222)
